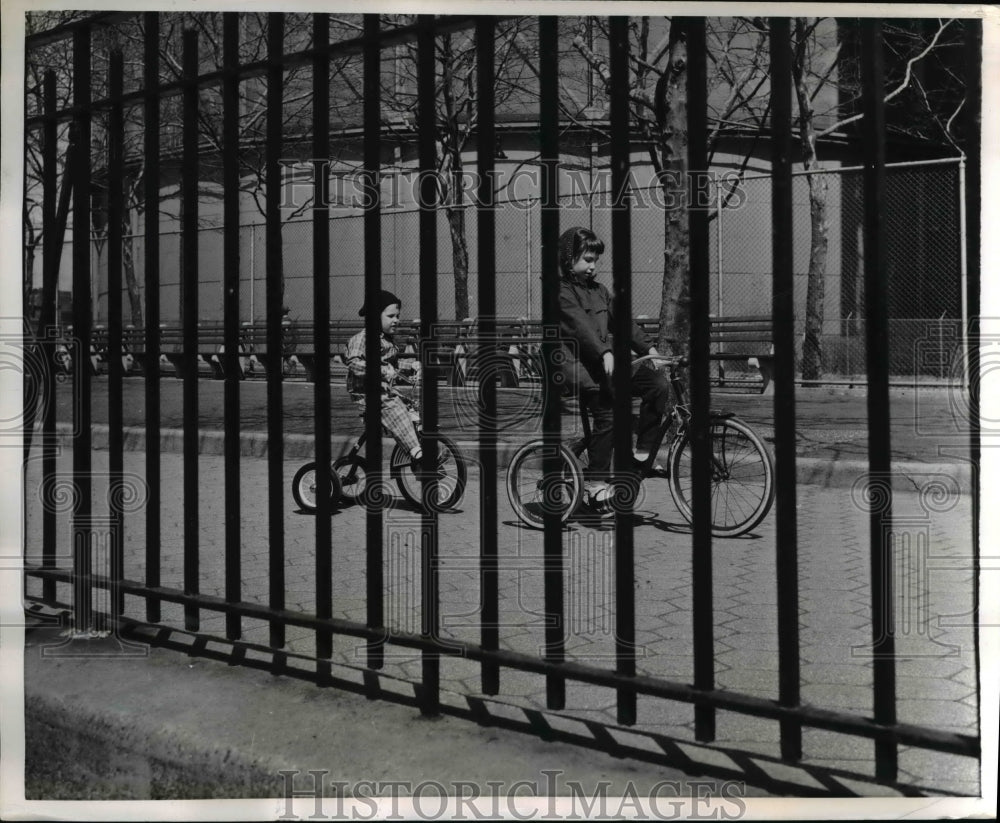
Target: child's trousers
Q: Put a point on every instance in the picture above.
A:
(398, 419)
(653, 388)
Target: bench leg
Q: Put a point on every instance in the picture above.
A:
(308, 363)
(765, 365)
(177, 361)
(218, 370)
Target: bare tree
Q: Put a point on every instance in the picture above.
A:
(456, 118)
(815, 68)
(128, 37)
(658, 97)
(739, 102)
(58, 61)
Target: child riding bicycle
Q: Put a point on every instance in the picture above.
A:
(585, 321)
(398, 414)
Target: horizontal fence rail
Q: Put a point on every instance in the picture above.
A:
(240, 593)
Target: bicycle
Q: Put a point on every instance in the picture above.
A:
(742, 468)
(349, 473)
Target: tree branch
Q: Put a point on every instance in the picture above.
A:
(601, 67)
(903, 84)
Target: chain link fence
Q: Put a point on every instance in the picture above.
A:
(924, 266)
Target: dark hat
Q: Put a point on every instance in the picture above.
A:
(386, 299)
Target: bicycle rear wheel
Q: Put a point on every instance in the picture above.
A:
(742, 477)
(445, 487)
(532, 494)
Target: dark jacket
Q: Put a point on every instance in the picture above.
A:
(585, 319)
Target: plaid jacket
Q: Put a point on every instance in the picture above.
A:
(356, 361)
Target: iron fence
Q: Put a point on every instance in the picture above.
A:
(246, 602)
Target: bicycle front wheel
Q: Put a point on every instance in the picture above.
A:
(304, 487)
(532, 494)
(353, 476)
(445, 486)
(742, 477)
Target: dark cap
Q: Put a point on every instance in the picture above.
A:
(386, 299)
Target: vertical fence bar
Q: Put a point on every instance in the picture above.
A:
(82, 543)
(486, 227)
(373, 328)
(973, 268)
(430, 603)
(783, 314)
(963, 257)
(52, 242)
(321, 325)
(621, 242)
(274, 295)
(718, 247)
(529, 250)
(151, 266)
(189, 314)
(231, 309)
(699, 433)
(877, 355)
(116, 456)
(548, 126)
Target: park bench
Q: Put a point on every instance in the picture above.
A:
(746, 340)
(210, 341)
(341, 331)
(440, 351)
(99, 345)
(304, 351)
(743, 339)
(497, 353)
(211, 345)
(457, 351)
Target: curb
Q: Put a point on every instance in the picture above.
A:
(103, 725)
(932, 479)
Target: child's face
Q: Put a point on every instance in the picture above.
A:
(390, 319)
(586, 264)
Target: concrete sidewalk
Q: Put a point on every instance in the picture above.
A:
(826, 472)
(187, 723)
(165, 726)
(928, 425)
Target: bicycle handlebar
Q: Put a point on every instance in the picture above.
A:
(403, 380)
(672, 360)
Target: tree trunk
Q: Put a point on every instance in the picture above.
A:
(451, 179)
(812, 343)
(459, 259)
(671, 104)
(134, 297)
(29, 268)
(128, 264)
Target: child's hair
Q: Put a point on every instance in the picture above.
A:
(576, 242)
(385, 299)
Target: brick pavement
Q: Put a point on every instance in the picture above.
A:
(936, 676)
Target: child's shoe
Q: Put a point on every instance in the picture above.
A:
(598, 497)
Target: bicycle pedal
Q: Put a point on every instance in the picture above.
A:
(603, 511)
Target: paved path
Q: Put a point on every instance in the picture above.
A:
(936, 677)
(927, 424)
